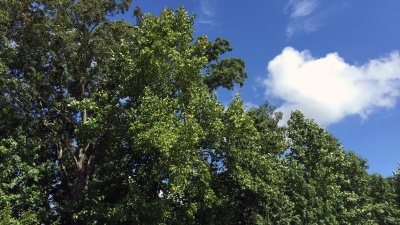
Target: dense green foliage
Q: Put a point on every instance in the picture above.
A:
(105, 122)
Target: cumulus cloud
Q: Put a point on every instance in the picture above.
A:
(328, 89)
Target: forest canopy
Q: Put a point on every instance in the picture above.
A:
(107, 122)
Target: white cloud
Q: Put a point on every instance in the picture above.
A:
(302, 16)
(208, 10)
(307, 25)
(208, 7)
(328, 89)
(301, 8)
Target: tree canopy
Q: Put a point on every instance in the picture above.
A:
(107, 122)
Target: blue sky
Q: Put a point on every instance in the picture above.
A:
(336, 61)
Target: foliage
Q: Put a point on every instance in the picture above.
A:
(247, 177)
(105, 122)
(330, 185)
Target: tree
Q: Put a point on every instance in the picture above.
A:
(107, 114)
(327, 184)
(310, 151)
(396, 183)
(383, 209)
(103, 122)
(247, 177)
(50, 52)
